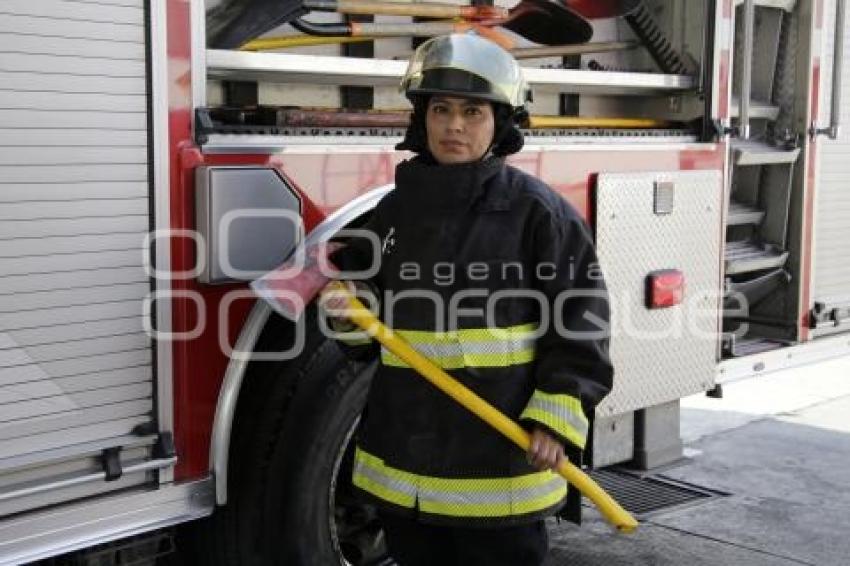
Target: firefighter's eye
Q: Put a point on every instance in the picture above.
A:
(439, 109)
(473, 111)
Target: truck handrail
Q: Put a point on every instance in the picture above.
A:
(834, 128)
(747, 71)
(837, 66)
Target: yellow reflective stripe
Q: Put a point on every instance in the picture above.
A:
(396, 486)
(473, 485)
(464, 497)
(562, 413)
(504, 509)
(467, 360)
(468, 334)
(470, 347)
(379, 490)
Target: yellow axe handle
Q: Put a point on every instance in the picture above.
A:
(286, 41)
(362, 317)
(589, 122)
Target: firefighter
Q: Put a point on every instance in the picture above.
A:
(493, 276)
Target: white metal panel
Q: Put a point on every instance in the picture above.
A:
(48, 173)
(102, 67)
(660, 355)
(90, 101)
(831, 276)
(50, 27)
(54, 431)
(46, 227)
(74, 366)
(38, 355)
(49, 119)
(77, 208)
(70, 280)
(65, 191)
(22, 156)
(64, 454)
(65, 385)
(23, 81)
(68, 401)
(70, 427)
(69, 10)
(70, 244)
(82, 331)
(71, 47)
(26, 137)
(75, 361)
(63, 263)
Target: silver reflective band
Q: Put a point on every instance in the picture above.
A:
(394, 484)
(470, 347)
(461, 348)
(577, 422)
(505, 497)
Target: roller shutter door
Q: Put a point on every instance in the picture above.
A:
(75, 362)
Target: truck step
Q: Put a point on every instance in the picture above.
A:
(749, 346)
(746, 257)
(740, 213)
(760, 153)
(754, 289)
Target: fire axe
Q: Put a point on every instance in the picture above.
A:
(293, 285)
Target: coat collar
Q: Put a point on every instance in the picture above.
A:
(429, 184)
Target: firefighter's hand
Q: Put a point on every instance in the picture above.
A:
(545, 451)
(333, 303)
(331, 299)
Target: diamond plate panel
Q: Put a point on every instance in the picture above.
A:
(664, 354)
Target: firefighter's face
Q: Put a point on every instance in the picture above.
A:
(459, 129)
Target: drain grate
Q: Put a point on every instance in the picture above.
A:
(647, 494)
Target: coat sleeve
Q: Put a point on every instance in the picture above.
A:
(573, 370)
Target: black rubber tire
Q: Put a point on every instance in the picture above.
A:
(313, 460)
(291, 420)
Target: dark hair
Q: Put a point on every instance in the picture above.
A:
(507, 139)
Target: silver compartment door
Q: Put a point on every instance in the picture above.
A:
(831, 270)
(663, 354)
(75, 361)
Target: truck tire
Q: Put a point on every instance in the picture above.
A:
(289, 498)
(313, 517)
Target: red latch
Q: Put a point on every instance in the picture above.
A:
(664, 288)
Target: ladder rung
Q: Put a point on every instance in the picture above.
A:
(740, 213)
(787, 5)
(746, 256)
(760, 153)
(758, 109)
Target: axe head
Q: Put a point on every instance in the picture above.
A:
(289, 288)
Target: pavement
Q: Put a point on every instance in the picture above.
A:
(779, 446)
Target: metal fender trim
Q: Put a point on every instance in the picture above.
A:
(229, 394)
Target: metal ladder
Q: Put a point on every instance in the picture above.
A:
(763, 159)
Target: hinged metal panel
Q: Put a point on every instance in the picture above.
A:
(664, 354)
(75, 361)
(831, 271)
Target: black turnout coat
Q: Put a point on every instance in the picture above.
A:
(492, 275)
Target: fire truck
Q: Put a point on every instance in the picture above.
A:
(148, 173)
